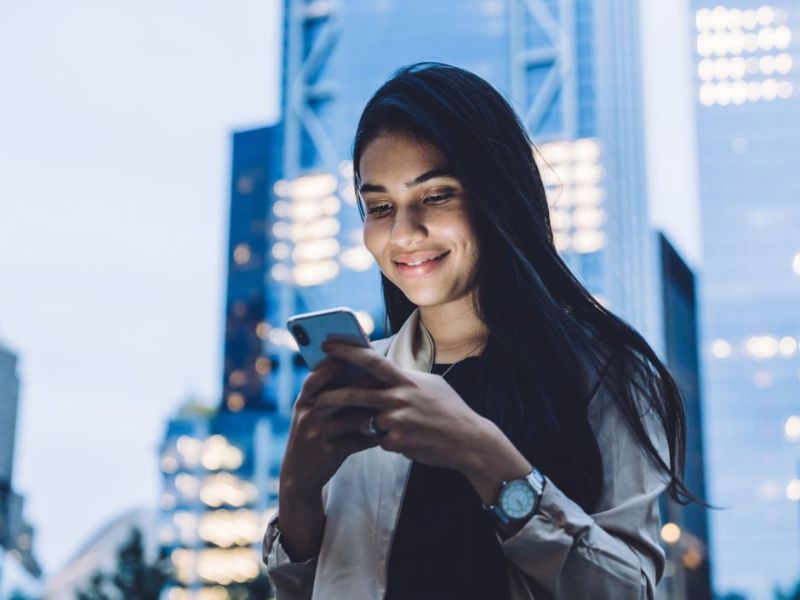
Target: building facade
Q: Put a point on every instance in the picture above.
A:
(16, 534)
(219, 488)
(748, 126)
(685, 533)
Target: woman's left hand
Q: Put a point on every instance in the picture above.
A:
(425, 418)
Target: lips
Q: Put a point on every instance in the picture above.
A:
(427, 265)
(417, 258)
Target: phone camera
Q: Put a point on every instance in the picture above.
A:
(300, 335)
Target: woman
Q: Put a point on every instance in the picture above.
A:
(515, 435)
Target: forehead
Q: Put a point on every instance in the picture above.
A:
(397, 155)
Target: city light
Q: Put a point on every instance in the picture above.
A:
(787, 345)
(366, 322)
(670, 533)
(793, 490)
(573, 175)
(763, 346)
(720, 348)
(235, 401)
(357, 258)
(241, 254)
(762, 378)
(729, 78)
(791, 428)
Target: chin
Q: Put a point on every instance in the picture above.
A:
(426, 297)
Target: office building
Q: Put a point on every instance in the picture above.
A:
(748, 127)
(685, 530)
(16, 534)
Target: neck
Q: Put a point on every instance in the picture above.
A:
(456, 330)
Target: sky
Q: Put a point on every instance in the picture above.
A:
(115, 123)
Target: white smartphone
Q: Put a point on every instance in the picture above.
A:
(339, 324)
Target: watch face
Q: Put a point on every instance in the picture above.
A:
(517, 499)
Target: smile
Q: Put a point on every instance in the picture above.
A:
(420, 267)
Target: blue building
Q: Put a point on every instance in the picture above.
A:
(748, 127)
(685, 531)
(219, 488)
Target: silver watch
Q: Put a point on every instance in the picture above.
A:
(518, 498)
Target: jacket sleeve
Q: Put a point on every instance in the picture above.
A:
(613, 553)
(290, 580)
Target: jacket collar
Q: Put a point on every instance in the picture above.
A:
(412, 346)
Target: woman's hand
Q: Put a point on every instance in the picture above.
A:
(425, 418)
(320, 439)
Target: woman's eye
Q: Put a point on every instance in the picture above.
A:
(378, 209)
(439, 198)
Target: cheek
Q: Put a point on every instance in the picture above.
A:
(373, 239)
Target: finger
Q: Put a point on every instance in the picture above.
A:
(318, 378)
(355, 442)
(356, 397)
(374, 362)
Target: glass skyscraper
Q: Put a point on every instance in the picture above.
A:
(748, 136)
(686, 529)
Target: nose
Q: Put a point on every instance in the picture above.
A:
(408, 227)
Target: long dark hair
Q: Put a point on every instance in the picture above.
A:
(543, 324)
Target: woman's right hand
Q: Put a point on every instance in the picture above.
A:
(320, 438)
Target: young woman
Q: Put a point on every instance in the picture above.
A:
(515, 435)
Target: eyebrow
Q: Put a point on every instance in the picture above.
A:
(437, 172)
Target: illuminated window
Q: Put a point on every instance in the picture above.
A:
(762, 378)
(787, 345)
(573, 175)
(791, 428)
(670, 533)
(720, 349)
(241, 254)
(366, 321)
(245, 185)
(793, 490)
(235, 401)
(764, 346)
(262, 330)
(263, 366)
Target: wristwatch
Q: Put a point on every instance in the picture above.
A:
(518, 498)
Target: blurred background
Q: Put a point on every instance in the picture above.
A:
(175, 182)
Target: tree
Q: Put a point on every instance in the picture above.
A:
(96, 590)
(134, 579)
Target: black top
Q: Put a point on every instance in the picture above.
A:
(445, 544)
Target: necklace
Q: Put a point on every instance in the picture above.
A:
(462, 358)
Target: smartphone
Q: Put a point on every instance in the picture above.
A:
(339, 324)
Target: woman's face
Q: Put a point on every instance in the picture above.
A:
(417, 226)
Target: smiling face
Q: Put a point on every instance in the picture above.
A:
(417, 226)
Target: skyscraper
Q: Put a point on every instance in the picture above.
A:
(16, 535)
(9, 399)
(748, 127)
(685, 532)
(219, 474)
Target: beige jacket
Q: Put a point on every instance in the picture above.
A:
(569, 554)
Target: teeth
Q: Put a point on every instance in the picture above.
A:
(419, 262)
